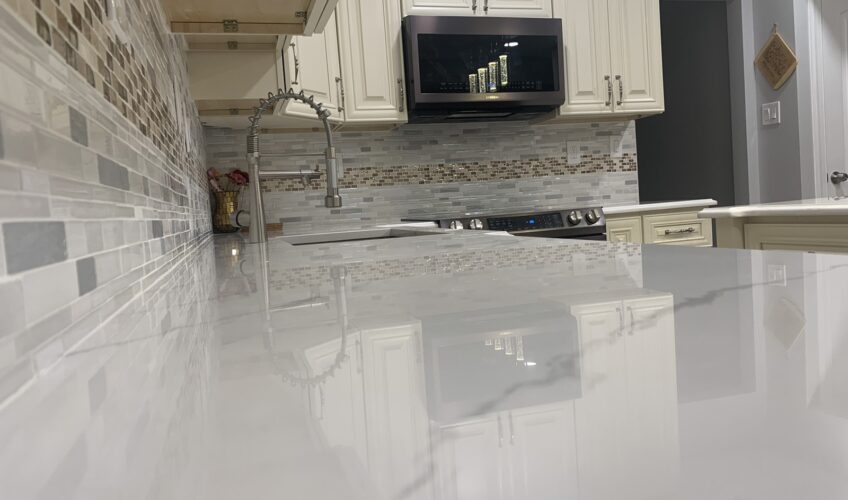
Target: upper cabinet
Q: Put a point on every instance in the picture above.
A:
(501, 8)
(613, 58)
(248, 17)
(301, 73)
(372, 61)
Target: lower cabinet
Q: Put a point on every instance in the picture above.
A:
(681, 228)
(524, 453)
(825, 238)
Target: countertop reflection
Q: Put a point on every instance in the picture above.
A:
(457, 366)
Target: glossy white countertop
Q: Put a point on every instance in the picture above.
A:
(652, 207)
(802, 208)
(392, 369)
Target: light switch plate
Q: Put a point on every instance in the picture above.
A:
(616, 147)
(575, 153)
(777, 275)
(771, 113)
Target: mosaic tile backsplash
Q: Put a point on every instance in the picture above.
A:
(102, 174)
(421, 169)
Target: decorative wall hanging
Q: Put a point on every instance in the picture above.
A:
(776, 61)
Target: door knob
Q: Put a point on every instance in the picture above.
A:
(838, 177)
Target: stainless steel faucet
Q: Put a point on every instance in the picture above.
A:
(838, 177)
(257, 211)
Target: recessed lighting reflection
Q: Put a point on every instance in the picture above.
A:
(529, 363)
(235, 252)
(511, 44)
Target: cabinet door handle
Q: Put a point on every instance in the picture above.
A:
(500, 432)
(340, 88)
(474, 6)
(296, 64)
(620, 321)
(511, 430)
(620, 90)
(679, 231)
(632, 322)
(609, 90)
(486, 6)
(401, 94)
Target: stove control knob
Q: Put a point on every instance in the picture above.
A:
(574, 218)
(456, 224)
(475, 224)
(593, 216)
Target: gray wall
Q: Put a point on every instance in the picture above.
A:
(687, 152)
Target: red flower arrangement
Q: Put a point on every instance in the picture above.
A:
(220, 182)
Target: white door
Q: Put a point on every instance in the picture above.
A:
(585, 25)
(312, 65)
(652, 417)
(371, 59)
(440, 7)
(395, 407)
(601, 412)
(517, 8)
(834, 79)
(636, 54)
(543, 452)
(338, 404)
(471, 460)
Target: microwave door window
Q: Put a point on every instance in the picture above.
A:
(487, 63)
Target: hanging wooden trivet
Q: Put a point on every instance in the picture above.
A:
(776, 61)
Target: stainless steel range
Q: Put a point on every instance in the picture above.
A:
(577, 223)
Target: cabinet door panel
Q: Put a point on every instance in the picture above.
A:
(371, 59)
(394, 401)
(438, 7)
(471, 464)
(338, 404)
(636, 52)
(652, 436)
(543, 452)
(517, 8)
(587, 56)
(312, 65)
(625, 230)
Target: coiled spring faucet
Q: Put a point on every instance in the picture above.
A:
(257, 211)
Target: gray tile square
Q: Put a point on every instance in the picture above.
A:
(12, 298)
(30, 245)
(112, 174)
(86, 275)
(79, 127)
(158, 230)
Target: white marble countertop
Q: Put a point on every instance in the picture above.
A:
(802, 208)
(454, 365)
(667, 205)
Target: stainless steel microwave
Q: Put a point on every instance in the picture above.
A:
(476, 68)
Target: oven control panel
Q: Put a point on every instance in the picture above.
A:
(526, 222)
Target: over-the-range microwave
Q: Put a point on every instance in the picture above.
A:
(475, 68)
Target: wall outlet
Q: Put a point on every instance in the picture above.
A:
(771, 113)
(616, 147)
(575, 152)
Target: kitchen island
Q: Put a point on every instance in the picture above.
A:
(818, 225)
(450, 366)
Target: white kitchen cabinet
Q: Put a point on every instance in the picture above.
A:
(624, 230)
(311, 64)
(495, 8)
(522, 453)
(371, 54)
(472, 460)
(440, 7)
(543, 452)
(338, 404)
(627, 420)
(613, 58)
(395, 407)
(636, 56)
(517, 8)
